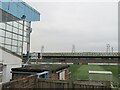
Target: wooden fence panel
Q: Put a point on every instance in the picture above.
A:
(32, 82)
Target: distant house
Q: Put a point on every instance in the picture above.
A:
(59, 72)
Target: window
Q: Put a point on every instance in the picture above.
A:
(20, 38)
(15, 30)
(20, 32)
(20, 26)
(2, 25)
(25, 33)
(8, 41)
(25, 39)
(10, 23)
(8, 34)
(14, 36)
(19, 43)
(8, 47)
(21, 22)
(19, 49)
(11, 33)
(8, 28)
(14, 42)
(3, 33)
(14, 49)
(1, 40)
(15, 24)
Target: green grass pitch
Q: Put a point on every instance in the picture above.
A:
(81, 72)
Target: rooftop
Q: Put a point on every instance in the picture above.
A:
(40, 68)
(20, 8)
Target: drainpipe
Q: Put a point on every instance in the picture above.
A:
(23, 18)
(28, 42)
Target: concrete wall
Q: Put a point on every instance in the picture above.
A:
(9, 61)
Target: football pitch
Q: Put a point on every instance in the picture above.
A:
(81, 72)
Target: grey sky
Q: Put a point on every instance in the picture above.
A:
(87, 25)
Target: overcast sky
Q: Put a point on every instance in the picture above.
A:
(87, 25)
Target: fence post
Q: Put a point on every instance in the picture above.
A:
(70, 85)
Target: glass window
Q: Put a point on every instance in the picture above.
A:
(14, 36)
(26, 24)
(10, 23)
(3, 33)
(14, 42)
(20, 32)
(15, 24)
(14, 49)
(1, 44)
(25, 28)
(11, 33)
(0, 32)
(8, 34)
(8, 41)
(21, 22)
(25, 39)
(19, 43)
(20, 38)
(8, 47)
(2, 25)
(20, 26)
(25, 33)
(1, 39)
(15, 30)
(19, 49)
(8, 27)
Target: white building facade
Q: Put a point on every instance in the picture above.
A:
(15, 29)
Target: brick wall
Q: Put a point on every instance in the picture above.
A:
(53, 76)
(28, 82)
(19, 76)
(56, 75)
(66, 74)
